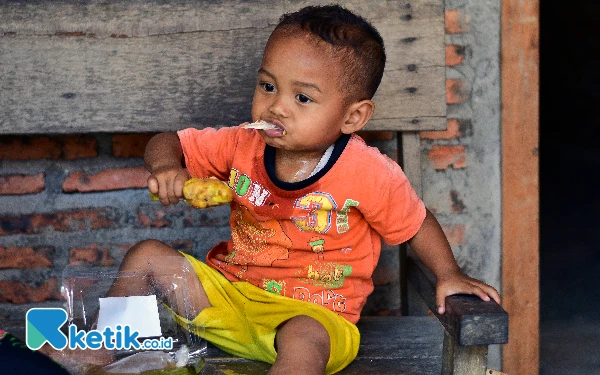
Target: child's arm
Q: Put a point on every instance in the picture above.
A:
(432, 247)
(164, 160)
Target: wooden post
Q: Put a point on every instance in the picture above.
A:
(520, 183)
(463, 360)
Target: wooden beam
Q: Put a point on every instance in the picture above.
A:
(520, 183)
(468, 319)
(131, 66)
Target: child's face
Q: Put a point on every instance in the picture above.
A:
(298, 90)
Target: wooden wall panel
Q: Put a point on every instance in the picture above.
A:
(123, 66)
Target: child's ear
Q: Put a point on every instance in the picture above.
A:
(358, 114)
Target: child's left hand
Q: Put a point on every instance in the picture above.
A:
(459, 283)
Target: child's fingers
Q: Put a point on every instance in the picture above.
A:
(481, 293)
(171, 185)
(442, 292)
(440, 297)
(441, 308)
(153, 185)
(491, 292)
(473, 287)
(173, 195)
(178, 186)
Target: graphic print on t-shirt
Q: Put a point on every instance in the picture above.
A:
(258, 243)
(318, 207)
(324, 274)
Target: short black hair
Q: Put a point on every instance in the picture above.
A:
(358, 44)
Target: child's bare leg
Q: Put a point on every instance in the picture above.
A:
(153, 267)
(302, 347)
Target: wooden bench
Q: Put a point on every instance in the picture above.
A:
(145, 66)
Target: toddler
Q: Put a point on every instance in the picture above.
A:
(312, 203)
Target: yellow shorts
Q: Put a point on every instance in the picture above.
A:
(243, 320)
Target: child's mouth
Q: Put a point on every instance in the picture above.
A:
(270, 129)
(276, 132)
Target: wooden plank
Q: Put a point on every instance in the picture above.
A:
(407, 123)
(411, 159)
(520, 183)
(478, 322)
(413, 345)
(470, 320)
(412, 29)
(126, 66)
(360, 366)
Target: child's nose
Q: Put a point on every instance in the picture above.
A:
(278, 106)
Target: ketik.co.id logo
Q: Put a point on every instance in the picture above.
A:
(44, 324)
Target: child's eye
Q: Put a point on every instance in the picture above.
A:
(303, 98)
(268, 87)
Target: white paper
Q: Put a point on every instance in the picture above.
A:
(138, 312)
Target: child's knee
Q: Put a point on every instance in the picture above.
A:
(305, 328)
(297, 339)
(151, 248)
(148, 254)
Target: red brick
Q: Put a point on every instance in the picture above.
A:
(155, 217)
(455, 234)
(94, 255)
(26, 257)
(112, 179)
(130, 145)
(454, 55)
(18, 184)
(442, 157)
(63, 221)
(456, 22)
(452, 131)
(40, 147)
(456, 91)
(78, 147)
(376, 135)
(13, 291)
(27, 148)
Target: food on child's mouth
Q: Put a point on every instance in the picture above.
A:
(202, 193)
(262, 125)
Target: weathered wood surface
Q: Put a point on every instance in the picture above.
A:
(389, 345)
(470, 320)
(126, 66)
(459, 360)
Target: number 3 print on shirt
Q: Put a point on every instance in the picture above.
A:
(318, 218)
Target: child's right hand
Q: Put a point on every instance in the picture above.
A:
(167, 184)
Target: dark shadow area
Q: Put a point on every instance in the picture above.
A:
(570, 188)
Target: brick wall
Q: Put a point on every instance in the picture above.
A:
(447, 150)
(82, 200)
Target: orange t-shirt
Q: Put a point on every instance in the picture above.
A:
(317, 240)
